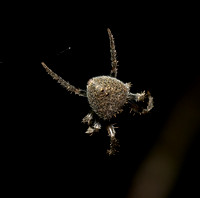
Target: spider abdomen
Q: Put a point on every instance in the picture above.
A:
(106, 95)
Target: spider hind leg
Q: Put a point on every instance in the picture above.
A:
(95, 128)
(113, 140)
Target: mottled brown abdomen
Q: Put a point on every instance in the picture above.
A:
(106, 95)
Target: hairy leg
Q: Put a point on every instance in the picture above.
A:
(65, 84)
(140, 97)
(88, 118)
(113, 141)
(93, 126)
(149, 105)
(113, 52)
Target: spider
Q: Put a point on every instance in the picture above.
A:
(107, 96)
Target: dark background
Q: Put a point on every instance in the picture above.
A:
(45, 148)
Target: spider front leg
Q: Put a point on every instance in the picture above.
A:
(113, 141)
(65, 84)
(140, 97)
(113, 53)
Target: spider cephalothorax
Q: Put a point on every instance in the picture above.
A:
(106, 96)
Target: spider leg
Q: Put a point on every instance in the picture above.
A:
(93, 126)
(113, 141)
(88, 118)
(138, 97)
(65, 84)
(90, 130)
(113, 52)
(97, 126)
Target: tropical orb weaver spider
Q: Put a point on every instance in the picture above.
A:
(106, 96)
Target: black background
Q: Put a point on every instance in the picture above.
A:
(45, 148)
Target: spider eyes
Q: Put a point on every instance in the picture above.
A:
(104, 91)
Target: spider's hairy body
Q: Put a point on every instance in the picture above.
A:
(106, 96)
